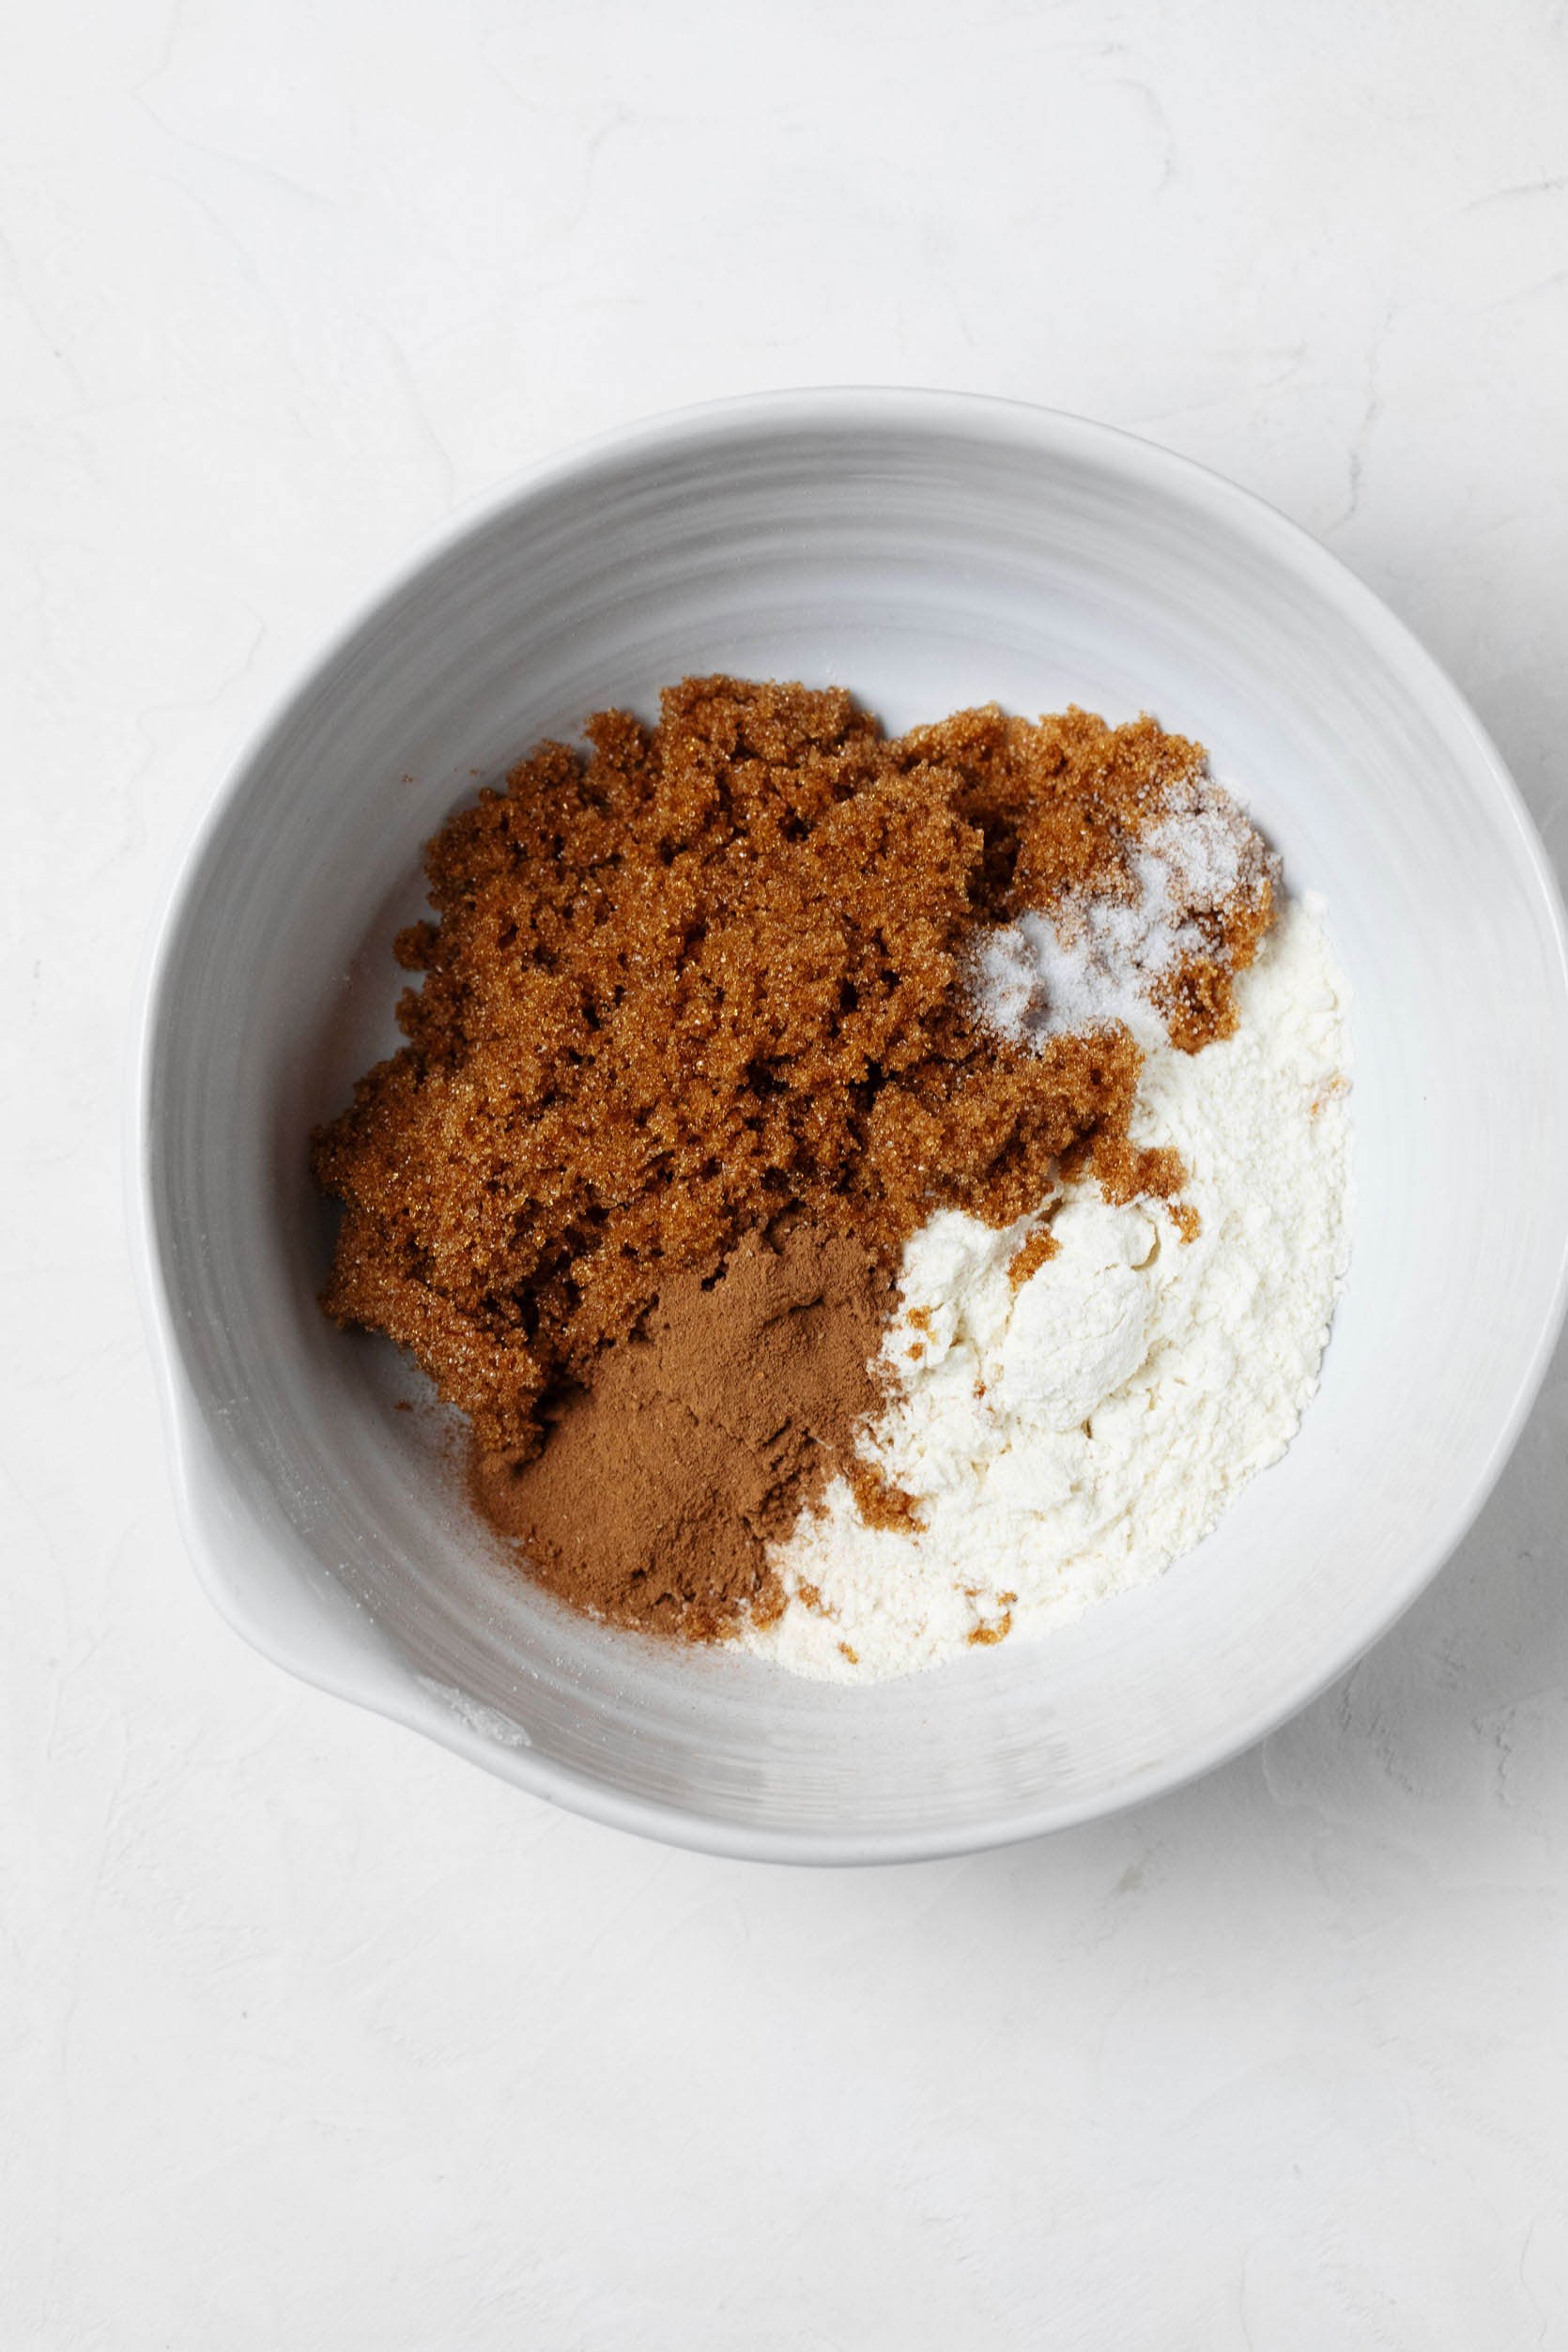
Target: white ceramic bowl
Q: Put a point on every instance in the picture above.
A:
(929, 551)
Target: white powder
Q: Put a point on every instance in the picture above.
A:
(1069, 1439)
(1094, 958)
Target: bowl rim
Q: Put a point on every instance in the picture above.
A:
(391, 1685)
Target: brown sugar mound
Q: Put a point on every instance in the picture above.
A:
(701, 1439)
(701, 984)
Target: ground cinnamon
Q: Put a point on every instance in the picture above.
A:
(701, 1439)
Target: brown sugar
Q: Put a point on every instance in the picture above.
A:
(683, 997)
(1031, 1254)
(879, 1502)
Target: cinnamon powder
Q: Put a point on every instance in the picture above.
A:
(703, 1438)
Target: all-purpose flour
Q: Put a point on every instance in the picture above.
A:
(1071, 1438)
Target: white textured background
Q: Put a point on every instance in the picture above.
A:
(314, 2037)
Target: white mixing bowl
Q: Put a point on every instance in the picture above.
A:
(929, 551)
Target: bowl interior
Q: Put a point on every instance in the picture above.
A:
(928, 553)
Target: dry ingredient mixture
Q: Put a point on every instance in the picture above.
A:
(718, 1025)
(1065, 1438)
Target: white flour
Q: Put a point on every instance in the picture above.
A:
(1074, 1436)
